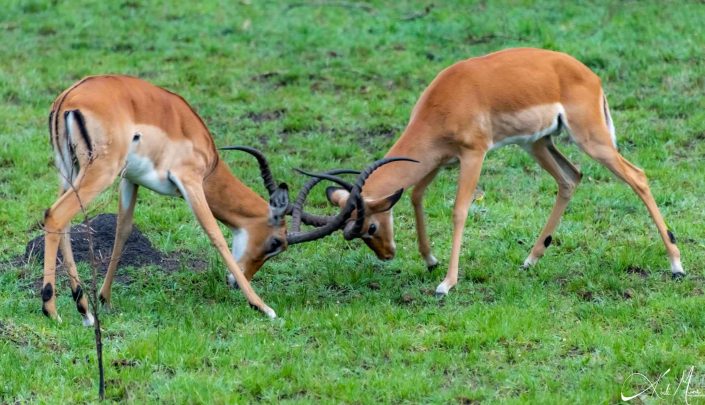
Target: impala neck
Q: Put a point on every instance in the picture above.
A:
(414, 143)
(230, 200)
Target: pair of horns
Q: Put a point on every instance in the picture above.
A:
(354, 202)
(324, 225)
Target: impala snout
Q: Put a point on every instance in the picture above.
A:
(383, 251)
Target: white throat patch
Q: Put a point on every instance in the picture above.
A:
(240, 238)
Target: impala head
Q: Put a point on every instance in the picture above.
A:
(374, 224)
(266, 237)
(365, 218)
(262, 238)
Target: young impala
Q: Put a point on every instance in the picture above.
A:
(105, 127)
(515, 96)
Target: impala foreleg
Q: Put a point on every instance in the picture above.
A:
(417, 202)
(567, 177)
(192, 190)
(127, 200)
(470, 167)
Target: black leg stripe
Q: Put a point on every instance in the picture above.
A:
(547, 241)
(78, 294)
(671, 237)
(47, 292)
(51, 133)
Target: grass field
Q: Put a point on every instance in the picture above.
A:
(323, 86)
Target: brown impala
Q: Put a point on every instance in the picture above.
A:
(516, 96)
(105, 127)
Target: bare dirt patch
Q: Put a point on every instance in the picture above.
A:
(138, 251)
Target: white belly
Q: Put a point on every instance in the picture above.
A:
(527, 126)
(140, 170)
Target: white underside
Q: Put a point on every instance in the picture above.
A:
(525, 140)
(140, 170)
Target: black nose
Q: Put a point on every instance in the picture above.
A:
(274, 245)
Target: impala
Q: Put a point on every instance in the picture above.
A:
(516, 96)
(105, 127)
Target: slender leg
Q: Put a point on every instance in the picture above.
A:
(596, 141)
(128, 197)
(567, 177)
(637, 180)
(192, 190)
(70, 264)
(417, 202)
(470, 167)
(90, 182)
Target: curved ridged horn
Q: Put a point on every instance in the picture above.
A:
(298, 214)
(267, 177)
(337, 221)
(270, 184)
(357, 195)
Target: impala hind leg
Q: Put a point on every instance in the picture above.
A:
(417, 202)
(596, 142)
(567, 177)
(191, 189)
(76, 290)
(127, 199)
(91, 181)
(470, 167)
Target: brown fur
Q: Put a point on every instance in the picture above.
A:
(484, 101)
(124, 115)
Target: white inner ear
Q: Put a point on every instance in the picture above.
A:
(340, 196)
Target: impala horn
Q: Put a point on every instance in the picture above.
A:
(271, 185)
(355, 201)
(264, 169)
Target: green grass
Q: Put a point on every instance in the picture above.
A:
(570, 330)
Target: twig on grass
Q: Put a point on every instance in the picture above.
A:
(92, 297)
(421, 14)
(343, 4)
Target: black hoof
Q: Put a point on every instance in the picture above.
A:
(677, 276)
(440, 295)
(432, 267)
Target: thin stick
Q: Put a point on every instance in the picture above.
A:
(343, 4)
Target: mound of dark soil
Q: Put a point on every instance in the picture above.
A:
(138, 250)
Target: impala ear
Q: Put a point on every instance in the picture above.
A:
(384, 203)
(338, 196)
(278, 203)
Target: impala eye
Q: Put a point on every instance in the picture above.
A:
(372, 229)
